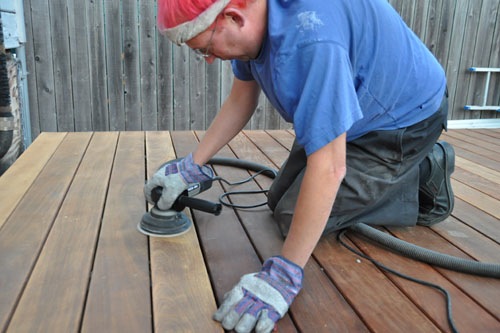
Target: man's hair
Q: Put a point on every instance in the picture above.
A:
(171, 13)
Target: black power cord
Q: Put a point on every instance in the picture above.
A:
(449, 314)
(223, 196)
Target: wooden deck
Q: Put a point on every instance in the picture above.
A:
(71, 259)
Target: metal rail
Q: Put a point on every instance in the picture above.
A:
(484, 106)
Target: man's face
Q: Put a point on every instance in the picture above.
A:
(226, 40)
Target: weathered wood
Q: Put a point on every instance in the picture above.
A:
(131, 66)
(80, 65)
(466, 58)
(212, 91)
(58, 275)
(197, 86)
(110, 69)
(68, 240)
(442, 48)
(183, 299)
(43, 70)
(98, 73)
(62, 65)
(119, 297)
(180, 78)
(30, 223)
(165, 84)
(18, 178)
(148, 64)
(114, 65)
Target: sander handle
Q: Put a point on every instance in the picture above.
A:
(187, 200)
(184, 201)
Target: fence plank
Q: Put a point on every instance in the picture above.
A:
(148, 64)
(466, 59)
(197, 102)
(114, 67)
(131, 71)
(98, 74)
(431, 19)
(80, 77)
(43, 71)
(62, 66)
(165, 84)
(453, 63)
(445, 28)
(181, 88)
(213, 91)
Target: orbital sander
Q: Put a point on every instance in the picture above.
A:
(174, 222)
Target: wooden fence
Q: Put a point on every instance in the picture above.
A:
(101, 65)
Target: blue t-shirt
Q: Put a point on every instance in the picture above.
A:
(343, 66)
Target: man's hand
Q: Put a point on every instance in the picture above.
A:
(260, 299)
(174, 178)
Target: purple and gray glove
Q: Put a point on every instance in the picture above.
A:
(261, 299)
(174, 178)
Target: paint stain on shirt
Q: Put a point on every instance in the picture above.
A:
(309, 21)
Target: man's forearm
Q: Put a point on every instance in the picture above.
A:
(233, 116)
(322, 179)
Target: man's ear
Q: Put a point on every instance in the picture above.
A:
(235, 15)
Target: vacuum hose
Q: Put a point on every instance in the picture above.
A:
(404, 248)
(431, 257)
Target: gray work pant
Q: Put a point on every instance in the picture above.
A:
(381, 182)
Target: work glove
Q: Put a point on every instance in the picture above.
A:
(174, 178)
(261, 299)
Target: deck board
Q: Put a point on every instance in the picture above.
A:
(72, 260)
(18, 178)
(229, 252)
(24, 233)
(119, 294)
(177, 264)
(62, 271)
(430, 301)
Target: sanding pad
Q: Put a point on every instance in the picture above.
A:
(159, 223)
